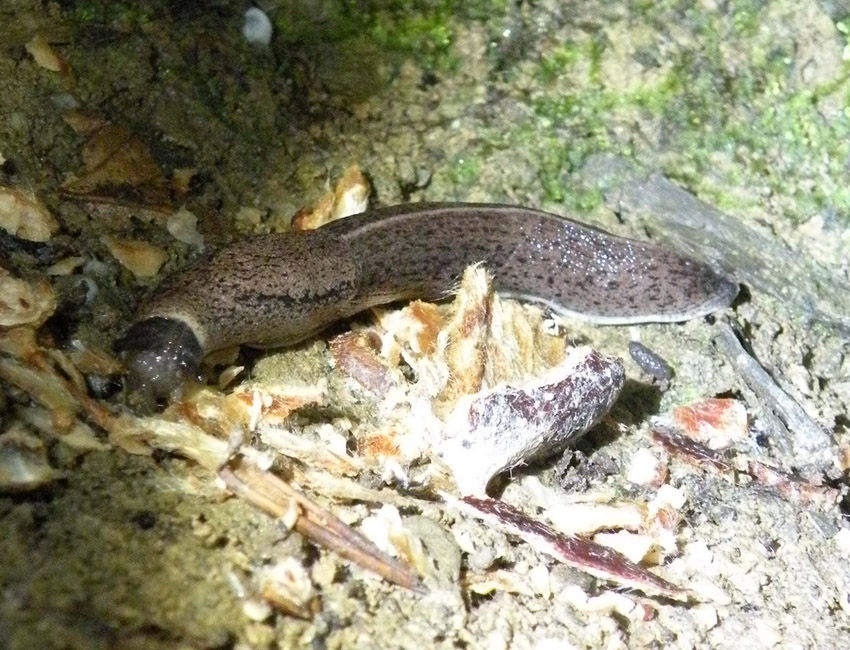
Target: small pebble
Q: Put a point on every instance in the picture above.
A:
(257, 29)
(842, 541)
(256, 609)
(705, 615)
(767, 632)
(645, 469)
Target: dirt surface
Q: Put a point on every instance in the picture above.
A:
(743, 104)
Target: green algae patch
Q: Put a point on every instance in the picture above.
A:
(425, 30)
(713, 99)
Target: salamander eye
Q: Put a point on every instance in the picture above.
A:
(160, 354)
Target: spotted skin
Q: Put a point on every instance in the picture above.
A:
(282, 288)
(270, 290)
(419, 251)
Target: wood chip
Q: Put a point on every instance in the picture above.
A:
(24, 303)
(23, 216)
(41, 52)
(350, 196)
(23, 462)
(65, 266)
(141, 258)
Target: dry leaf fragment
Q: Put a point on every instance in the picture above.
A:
(181, 179)
(584, 518)
(228, 375)
(93, 360)
(315, 217)
(120, 169)
(41, 52)
(23, 462)
(677, 444)
(65, 266)
(317, 454)
(23, 216)
(427, 321)
(843, 460)
(634, 546)
(413, 329)
(272, 404)
(518, 344)
(83, 123)
(381, 444)
(581, 553)
(24, 303)
(141, 435)
(80, 436)
(386, 529)
(141, 258)
(790, 486)
(350, 196)
(45, 386)
(499, 580)
(604, 603)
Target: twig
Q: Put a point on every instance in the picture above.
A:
(805, 439)
(578, 552)
(273, 495)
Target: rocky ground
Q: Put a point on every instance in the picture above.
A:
(722, 128)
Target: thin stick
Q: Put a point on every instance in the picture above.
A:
(273, 495)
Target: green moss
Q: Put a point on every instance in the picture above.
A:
(127, 14)
(774, 133)
(564, 57)
(746, 16)
(465, 170)
(587, 113)
(756, 117)
(85, 12)
(422, 28)
(843, 26)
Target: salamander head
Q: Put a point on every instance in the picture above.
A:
(160, 354)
